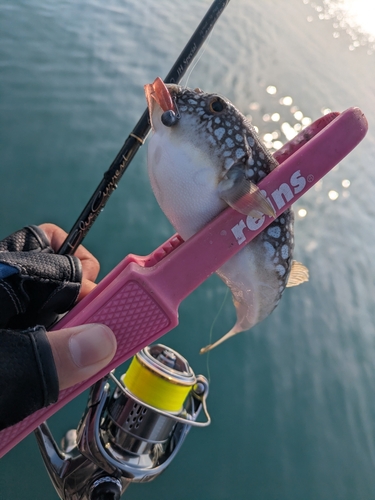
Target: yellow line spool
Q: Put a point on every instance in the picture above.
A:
(157, 384)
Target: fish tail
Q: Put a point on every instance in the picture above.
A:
(225, 337)
(248, 315)
(243, 323)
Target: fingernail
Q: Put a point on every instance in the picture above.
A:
(91, 345)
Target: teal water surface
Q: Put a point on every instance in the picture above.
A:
(292, 400)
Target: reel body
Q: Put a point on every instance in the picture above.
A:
(131, 434)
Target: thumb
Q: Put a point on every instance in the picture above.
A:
(81, 352)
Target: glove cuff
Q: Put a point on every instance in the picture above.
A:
(29, 379)
(44, 361)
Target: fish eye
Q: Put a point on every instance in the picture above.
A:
(169, 118)
(216, 105)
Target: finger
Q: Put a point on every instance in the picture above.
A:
(81, 352)
(86, 287)
(57, 236)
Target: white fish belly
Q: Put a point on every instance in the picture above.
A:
(254, 283)
(184, 183)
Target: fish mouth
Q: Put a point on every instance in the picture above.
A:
(159, 93)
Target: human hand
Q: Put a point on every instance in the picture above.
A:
(90, 265)
(35, 364)
(82, 351)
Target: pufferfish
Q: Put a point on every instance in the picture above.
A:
(204, 156)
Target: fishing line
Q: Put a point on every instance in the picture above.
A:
(203, 50)
(211, 332)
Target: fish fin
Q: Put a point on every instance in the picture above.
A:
(298, 274)
(243, 195)
(225, 337)
(243, 323)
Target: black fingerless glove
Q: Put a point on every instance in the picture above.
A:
(36, 286)
(28, 378)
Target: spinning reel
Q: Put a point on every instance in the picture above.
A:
(131, 434)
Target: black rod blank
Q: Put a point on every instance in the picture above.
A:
(138, 135)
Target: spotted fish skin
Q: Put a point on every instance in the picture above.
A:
(190, 167)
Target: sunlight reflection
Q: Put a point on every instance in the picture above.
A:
(286, 101)
(306, 120)
(271, 89)
(355, 18)
(359, 13)
(288, 131)
(333, 195)
(278, 121)
(267, 137)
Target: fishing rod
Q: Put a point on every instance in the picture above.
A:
(138, 135)
(131, 434)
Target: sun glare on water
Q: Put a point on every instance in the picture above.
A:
(359, 13)
(279, 117)
(352, 18)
